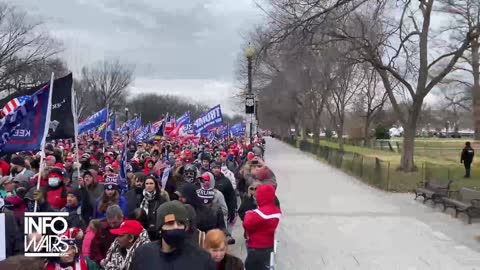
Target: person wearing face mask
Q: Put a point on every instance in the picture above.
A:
(110, 196)
(172, 251)
(135, 195)
(56, 191)
(130, 236)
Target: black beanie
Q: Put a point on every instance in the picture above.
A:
(76, 192)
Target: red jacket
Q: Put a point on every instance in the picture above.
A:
(260, 224)
(145, 166)
(57, 197)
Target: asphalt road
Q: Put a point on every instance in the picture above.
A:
(333, 221)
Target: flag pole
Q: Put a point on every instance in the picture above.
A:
(44, 139)
(105, 130)
(75, 128)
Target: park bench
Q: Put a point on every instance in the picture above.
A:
(467, 201)
(433, 191)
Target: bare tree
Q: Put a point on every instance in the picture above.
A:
(108, 81)
(23, 48)
(350, 78)
(372, 98)
(408, 62)
(467, 16)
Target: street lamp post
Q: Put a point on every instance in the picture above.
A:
(126, 114)
(250, 99)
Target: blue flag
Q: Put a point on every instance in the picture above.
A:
(109, 129)
(143, 134)
(206, 121)
(238, 129)
(94, 121)
(24, 129)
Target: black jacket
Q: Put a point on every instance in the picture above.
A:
(467, 155)
(133, 197)
(225, 186)
(230, 262)
(153, 205)
(13, 236)
(150, 257)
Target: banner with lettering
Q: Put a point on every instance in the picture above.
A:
(238, 129)
(62, 120)
(94, 121)
(24, 129)
(211, 119)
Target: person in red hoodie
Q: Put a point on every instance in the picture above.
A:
(148, 166)
(260, 225)
(56, 191)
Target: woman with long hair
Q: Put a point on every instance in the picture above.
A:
(152, 199)
(217, 245)
(110, 196)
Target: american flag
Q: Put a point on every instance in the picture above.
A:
(156, 126)
(14, 104)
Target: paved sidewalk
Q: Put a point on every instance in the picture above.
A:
(333, 221)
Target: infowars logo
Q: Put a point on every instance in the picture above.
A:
(44, 234)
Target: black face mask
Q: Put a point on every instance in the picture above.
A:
(174, 238)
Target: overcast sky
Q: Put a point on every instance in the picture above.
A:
(182, 47)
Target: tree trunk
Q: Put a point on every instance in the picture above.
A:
(476, 87)
(366, 129)
(407, 162)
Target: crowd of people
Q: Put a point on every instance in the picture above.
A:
(175, 208)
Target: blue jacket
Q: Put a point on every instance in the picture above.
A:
(122, 203)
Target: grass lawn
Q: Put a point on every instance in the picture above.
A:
(442, 167)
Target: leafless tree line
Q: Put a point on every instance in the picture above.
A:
(326, 58)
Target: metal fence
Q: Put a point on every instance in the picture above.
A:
(371, 170)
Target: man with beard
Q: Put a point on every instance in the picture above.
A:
(17, 167)
(134, 195)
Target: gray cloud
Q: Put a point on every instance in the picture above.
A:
(182, 47)
(168, 39)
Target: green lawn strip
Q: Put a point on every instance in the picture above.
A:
(438, 167)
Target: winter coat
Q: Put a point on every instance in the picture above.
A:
(101, 242)
(13, 237)
(153, 206)
(467, 155)
(133, 197)
(145, 168)
(114, 259)
(229, 174)
(121, 202)
(260, 224)
(247, 204)
(57, 197)
(230, 262)
(75, 218)
(185, 257)
(223, 185)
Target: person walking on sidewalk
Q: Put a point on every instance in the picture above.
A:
(467, 158)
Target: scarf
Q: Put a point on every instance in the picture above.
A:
(114, 259)
(147, 196)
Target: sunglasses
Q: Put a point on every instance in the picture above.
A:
(253, 189)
